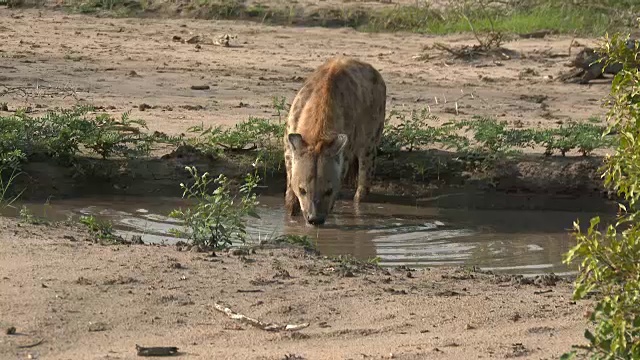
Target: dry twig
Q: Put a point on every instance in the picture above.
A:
(257, 323)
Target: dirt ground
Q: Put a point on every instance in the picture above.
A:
(54, 59)
(110, 298)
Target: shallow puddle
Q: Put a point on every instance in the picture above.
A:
(523, 242)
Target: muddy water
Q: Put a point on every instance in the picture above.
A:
(524, 242)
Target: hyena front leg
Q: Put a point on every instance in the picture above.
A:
(366, 162)
(291, 203)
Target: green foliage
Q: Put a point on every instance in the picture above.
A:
(219, 217)
(610, 259)
(299, 240)
(480, 141)
(255, 134)
(65, 134)
(101, 230)
(28, 217)
(414, 133)
(252, 134)
(496, 137)
(6, 200)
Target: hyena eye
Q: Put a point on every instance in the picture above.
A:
(302, 191)
(328, 192)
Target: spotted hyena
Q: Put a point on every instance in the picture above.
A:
(334, 127)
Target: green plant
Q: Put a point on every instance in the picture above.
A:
(280, 105)
(5, 184)
(9, 164)
(496, 137)
(219, 217)
(255, 134)
(63, 134)
(101, 230)
(610, 258)
(374, 261)
(28, 217)
(491, 38)
(414, 133)
(584, 137)
(300, 240)
(252, 134)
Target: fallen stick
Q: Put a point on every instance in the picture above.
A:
(31, 345)
(257, 323)
(156, 350)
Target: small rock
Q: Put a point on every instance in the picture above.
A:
(240, 252)
(98, 326)
(194, 40)
(137, 240)
(143, 107)
(83, 281)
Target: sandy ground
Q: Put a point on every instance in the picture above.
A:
(54, 59)
(110, 298)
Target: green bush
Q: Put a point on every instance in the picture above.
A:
(65, 134)
(101, 230)
(610, 258)
(414, 133)
(217, 218)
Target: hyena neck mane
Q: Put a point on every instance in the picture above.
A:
(319, 118)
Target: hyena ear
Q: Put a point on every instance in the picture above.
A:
(296, 142)
(337, 147)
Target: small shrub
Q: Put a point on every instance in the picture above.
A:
(65, 134)
(217, 218)
(6, 200)
(299, 240)
(583, 137)
(496, 137)
(101, 230)
(9, 171)
(414, 133)
(610, 258)
(28, 217)
(255, 134)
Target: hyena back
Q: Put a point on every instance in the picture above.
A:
(336, 121)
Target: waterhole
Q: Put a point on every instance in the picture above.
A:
(523, 242)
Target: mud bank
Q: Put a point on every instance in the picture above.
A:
(529, 182)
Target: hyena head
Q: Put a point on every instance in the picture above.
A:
(316, 175)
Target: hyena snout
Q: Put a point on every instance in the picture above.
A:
(315, 214)
(316, 220)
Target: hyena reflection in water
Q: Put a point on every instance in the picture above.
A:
(335, 124)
